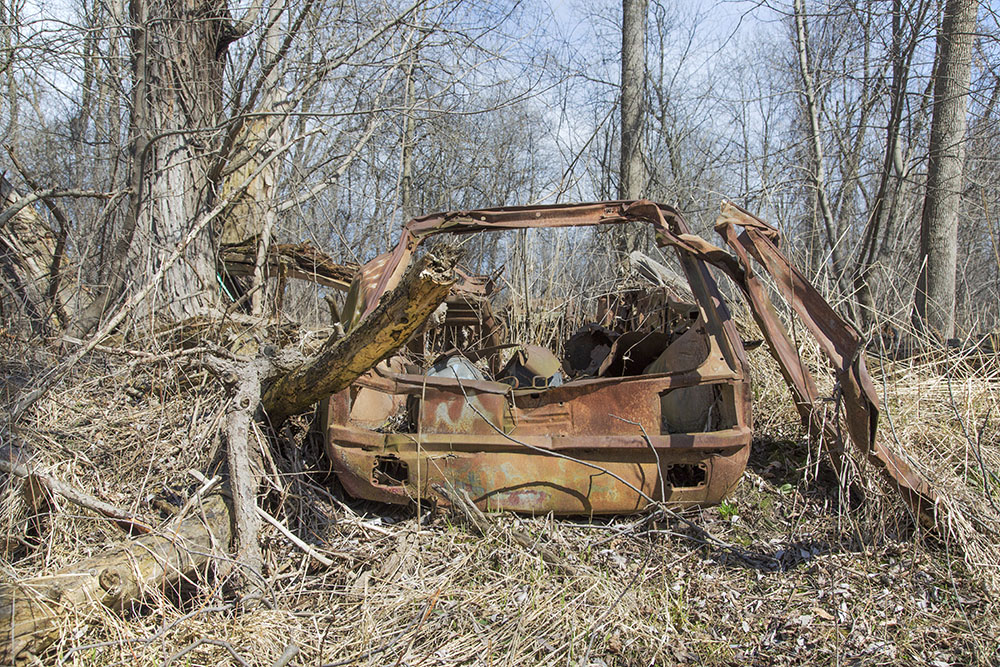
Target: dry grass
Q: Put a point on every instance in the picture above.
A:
(804, 579)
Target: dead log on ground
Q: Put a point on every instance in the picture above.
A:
(33, 612)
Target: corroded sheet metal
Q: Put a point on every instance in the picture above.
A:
(598, 445)
(604, 475)
(841, 344)
(471, 413)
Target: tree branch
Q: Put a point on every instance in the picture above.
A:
(342, 360)
(125, 520)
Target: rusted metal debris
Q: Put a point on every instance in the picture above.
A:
(665, 416)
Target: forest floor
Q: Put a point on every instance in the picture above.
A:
(781, 573)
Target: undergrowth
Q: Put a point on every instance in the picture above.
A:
(787, 571)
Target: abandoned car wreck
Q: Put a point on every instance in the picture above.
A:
(647, 402)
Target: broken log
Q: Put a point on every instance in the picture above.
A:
(244, 476)
(34, 612)
(341, 361)
(660, 275)
(294, 260)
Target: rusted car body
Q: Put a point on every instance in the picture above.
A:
(666, 419)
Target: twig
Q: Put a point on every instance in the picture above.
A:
(145, 640)
(974, 445)
(286, 656)
(551, 452)
(414, 625)
(660, 507)
(145, 356)
(206, 486)
(204, 640)
(656, 454)
(621, 596)
(294, 539)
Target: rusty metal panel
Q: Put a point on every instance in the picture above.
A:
(499, 475)
(599, 411)
(509, 449)
(839, 341)
(471, 412)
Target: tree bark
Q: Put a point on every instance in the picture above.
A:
(178, 56)
(244, 476)
(934, 303)
(29, 261)
(33, 612)
(409, 132)
(342, 360)
(632, 170)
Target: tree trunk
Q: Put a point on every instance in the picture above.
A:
(632, 171)
(934, 303)
(178, 56)
(29, 253)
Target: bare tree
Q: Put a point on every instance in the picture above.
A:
(632, 173)
(891, 179)
(818, 172)
(934, 303)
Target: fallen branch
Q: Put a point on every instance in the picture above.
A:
(341, 361)
(34, 611)
(244, 477)
(126, 520)
(294, 260)
(313, 553)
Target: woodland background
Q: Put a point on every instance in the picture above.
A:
(817, 116)
(144, 136)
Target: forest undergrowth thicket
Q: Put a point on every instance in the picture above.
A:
(783, 572)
